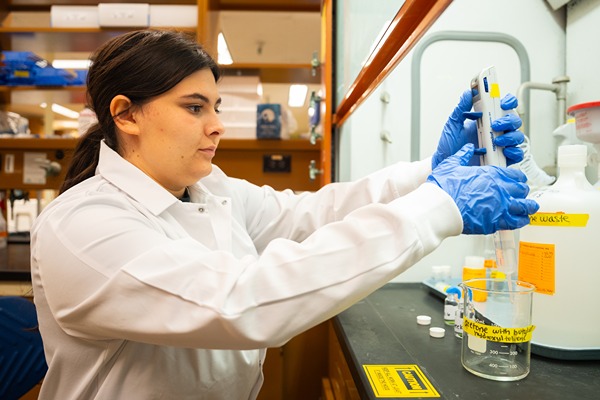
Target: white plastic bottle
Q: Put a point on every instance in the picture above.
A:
(558, 254)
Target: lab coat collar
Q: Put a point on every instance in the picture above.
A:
(131, 180)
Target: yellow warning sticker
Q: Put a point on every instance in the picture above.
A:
(497, 333)
(537, 266)
(494, 90)
(559, 219)
(399, 381)
(21, 74)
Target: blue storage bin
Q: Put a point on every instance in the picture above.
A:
(26, 68)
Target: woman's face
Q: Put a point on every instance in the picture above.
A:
(179, 132)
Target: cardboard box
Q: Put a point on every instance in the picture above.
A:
(74, 17)
(173, 16)
(124, 14)
(268, 121)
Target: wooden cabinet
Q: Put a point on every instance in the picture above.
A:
(339, 382)
(257, 161)
(281, 164)
(295, 370)
(19, 154)
(25, 26)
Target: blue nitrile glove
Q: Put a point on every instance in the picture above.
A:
(460, 130)
(489, 198)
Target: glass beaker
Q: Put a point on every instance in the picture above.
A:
(497, 328)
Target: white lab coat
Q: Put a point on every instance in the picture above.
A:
(142, 296)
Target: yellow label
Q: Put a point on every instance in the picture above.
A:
(392, 381)
(497, 333)
(559, 219)
(21, 74)
(537, 266)
(494, 90)
(497, 275)
(489, 263)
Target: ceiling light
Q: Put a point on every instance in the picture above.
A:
(67, 112)
(297, 95)
(259, 90)
(72, 64)
(223, 56)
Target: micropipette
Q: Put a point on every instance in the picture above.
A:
(486, 100)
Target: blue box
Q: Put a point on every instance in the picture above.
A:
(268, 121)
(26, 68)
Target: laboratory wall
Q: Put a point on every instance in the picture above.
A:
(424, 95)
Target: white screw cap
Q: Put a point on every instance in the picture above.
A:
(436, 332)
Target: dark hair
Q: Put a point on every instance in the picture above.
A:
(139, 65)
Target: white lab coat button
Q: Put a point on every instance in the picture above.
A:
(224, 202)
(201, 209)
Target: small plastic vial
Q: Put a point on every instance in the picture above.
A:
(451, 304)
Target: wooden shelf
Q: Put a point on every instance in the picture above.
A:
(39, 22)
(37, 143)
(263, 66)
(74, 88)
(275, 73)
(8, 29)
(265, 144)
(230, 144)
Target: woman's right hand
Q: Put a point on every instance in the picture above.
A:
(489, 198)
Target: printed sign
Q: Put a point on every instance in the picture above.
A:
(399, 381)
(537, 266)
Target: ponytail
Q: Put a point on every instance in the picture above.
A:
(85, 158)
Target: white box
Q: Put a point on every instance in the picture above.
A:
(74, 17)
(173, 16)
(123, 14)
(239, 131)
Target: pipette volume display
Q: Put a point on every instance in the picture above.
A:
(486, 100)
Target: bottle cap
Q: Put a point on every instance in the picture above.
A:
(436, 332)
(474, 262)
(454, 289)
(423, 319)
(574, 155)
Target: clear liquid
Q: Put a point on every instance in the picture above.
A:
(497, 361)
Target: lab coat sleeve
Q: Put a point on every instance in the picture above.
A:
(179, 293)
(273, 214)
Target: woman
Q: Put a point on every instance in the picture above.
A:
(156, 276)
